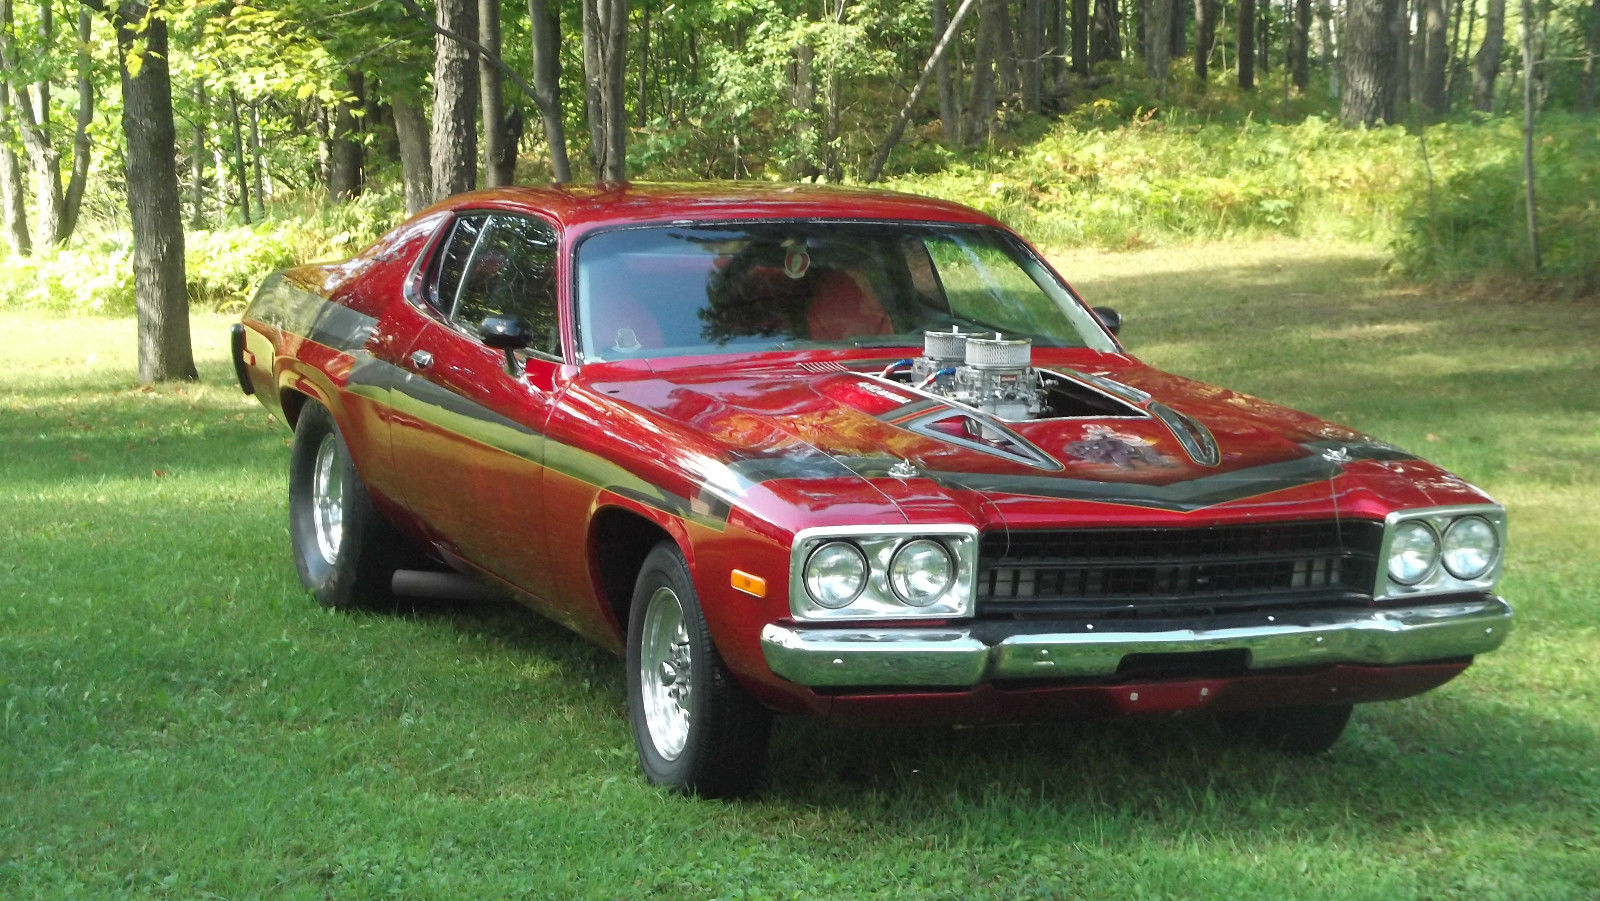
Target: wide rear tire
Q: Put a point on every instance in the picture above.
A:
(344, 549)
(696, 730)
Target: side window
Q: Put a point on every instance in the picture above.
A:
(453, 262)
(511, 272)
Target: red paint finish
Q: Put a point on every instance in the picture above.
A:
(729, 457)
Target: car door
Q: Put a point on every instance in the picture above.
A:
(470, 434)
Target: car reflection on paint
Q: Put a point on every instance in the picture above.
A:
(850, 454)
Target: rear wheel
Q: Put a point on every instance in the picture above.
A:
(1294, 730)
(695, 729)
(345, 551)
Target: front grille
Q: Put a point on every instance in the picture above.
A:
(1177, 571)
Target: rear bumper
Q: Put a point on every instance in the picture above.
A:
(968, 657)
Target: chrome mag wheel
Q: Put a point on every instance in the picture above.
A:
(665, 680)
(327, 498)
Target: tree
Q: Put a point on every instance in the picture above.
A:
(1368, 94)
(1247, 43)
(344, 151)
(1158, 42)
(1486, 65)
(1105, 36)
(1436, 58)
(454, 146)
(161, 300)
(1299, 47)
(500, 131)
(1205, 34)
(940, 53)
(605, 24)
(546, 40)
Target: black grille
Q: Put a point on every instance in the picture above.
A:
(1177, 571)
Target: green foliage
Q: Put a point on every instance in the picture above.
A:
(1474, 220)
(224, 265)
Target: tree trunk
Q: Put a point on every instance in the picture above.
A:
(1591, 51)
(1056, 45)
(496, 155)
(258, 176)
(81, 145)
(1300, 46)
(1436, 57)
(1486, 65)
(941, 74)
(1330, 50)
(1247, 44)
(1264, 36)
(1532, 196)
(45, 157)
(1368, 63)
(238, 156)
(546, 28)
(1180, 29)
(981, 104)
(644, 65)
(614, 45)
(1205, 34)
(197, 160)
(1031, 32)
(1081, 60)
(1400, 74)
(803, 102)
(411, 131)
(1454, 57)
(1105, 40)
(1005, 59)
(161, 300)
(1158, 43)
(454, 147)
(12, 198)
(345, 151)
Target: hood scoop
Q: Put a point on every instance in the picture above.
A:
(976, 431)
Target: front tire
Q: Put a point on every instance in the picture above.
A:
(344, 549)
(695, 729)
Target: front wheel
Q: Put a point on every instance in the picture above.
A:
(695, 729)
(344, 549)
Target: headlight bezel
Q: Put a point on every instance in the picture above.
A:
(1439, 579)
(878, 599)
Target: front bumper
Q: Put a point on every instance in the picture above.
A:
(958, 657)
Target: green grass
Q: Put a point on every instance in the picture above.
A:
(177, 719)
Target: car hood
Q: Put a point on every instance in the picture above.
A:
(1159, 444)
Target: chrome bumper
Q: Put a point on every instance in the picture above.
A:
(957, 657)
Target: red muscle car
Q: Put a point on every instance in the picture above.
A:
(850, 454)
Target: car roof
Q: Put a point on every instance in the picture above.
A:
(583, 207)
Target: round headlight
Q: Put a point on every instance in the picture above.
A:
(921, 571)
(1470, 545)
(1413, 550)
(835, 574)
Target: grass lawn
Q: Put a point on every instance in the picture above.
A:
(180, 720)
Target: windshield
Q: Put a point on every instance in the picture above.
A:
(737, 288)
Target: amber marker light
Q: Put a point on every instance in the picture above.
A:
(754, 586)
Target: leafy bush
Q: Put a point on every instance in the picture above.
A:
(223, 265)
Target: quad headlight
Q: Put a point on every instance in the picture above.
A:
(1442, 550)
(1413, 551)
(1470, 547)
(835, 574)
(883, 572)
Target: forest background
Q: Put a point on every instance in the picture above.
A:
(156, 156)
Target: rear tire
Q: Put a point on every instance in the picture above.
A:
(344, 549)
(696, 730)
(1294, 730)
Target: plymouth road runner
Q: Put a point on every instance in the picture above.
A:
(850, 454)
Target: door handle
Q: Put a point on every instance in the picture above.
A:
(421, 359)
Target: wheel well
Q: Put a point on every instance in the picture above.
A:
(292, 403)
(619, 540)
